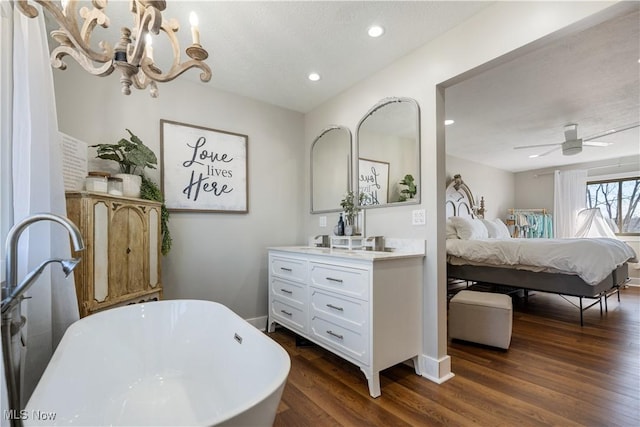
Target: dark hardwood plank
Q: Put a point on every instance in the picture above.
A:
(555, 373)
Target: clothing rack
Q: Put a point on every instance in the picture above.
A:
(542, 211)
(530, 223)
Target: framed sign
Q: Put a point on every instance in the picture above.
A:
(203, 169)
(373, 181)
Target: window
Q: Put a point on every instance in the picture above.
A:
(618, 202)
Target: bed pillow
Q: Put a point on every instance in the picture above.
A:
(496, 229)
(451, 230)
(469, 229)
(503, 230)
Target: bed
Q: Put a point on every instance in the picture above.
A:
(583, 268)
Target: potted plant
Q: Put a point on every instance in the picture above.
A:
(351, 209)
(133, 157)
(410, 191)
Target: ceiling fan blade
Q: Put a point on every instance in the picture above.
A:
(597, 143)
(611, 131)
(571, 132)
(535, 146)
(534, 156)
(550, 151)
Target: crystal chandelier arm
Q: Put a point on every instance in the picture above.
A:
(80, 39)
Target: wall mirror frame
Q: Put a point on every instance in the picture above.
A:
(387, 150)
(331, 170)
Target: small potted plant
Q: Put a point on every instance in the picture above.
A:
(132, 157)
(351, 209)
(410, 191)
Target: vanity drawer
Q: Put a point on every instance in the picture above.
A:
(352, 343)
(289, 290)
(290, 268)
(346, 280)
(343, 310)
(288, 315)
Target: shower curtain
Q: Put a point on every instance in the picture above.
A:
(36, 186)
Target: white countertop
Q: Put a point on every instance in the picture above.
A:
(348, 254)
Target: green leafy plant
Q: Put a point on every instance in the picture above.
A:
(133, 156)
(149, 190)
(349, 206)
(410, 191)
(130, 154)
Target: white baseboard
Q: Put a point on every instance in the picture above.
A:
(259, 323)
(436, 370)
(634, 281)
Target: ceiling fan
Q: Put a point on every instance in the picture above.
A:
(572, 144)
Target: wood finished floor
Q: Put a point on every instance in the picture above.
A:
(555, 373)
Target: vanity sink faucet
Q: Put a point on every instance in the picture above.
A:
(325, 240)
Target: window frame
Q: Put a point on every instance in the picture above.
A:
(619, 181)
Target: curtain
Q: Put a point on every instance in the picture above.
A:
(569, 197)
(37, 186)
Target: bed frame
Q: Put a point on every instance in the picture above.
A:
(460, 202)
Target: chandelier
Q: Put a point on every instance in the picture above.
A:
(132, 54)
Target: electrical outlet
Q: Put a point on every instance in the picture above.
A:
(418, 217)
(323, 221)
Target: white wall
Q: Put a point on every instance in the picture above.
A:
(219, 257)
(493, 32)
(495, 185)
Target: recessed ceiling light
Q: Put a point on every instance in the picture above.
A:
(314, 77)
(449, 122)
(533, 156)
(375, 31)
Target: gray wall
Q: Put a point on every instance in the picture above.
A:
(219, 257)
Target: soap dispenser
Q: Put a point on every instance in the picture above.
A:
(340, 226)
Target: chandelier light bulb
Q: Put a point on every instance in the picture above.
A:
(195, 32)
(148, 46)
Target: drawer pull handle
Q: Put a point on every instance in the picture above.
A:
(335, 335)
(286, 312)
(331, 279)
(335, 308)
(286, 269)
(286, 291)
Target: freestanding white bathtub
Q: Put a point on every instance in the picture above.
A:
(175, 362)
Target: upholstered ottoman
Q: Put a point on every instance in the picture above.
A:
(481, 317)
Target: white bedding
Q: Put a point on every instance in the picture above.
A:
(591, 259)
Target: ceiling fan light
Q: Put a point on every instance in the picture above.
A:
(571, 148)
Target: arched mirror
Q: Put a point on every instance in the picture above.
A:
(330, 169)
(388, 148)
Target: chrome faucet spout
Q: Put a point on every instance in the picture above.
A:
(15, 297)
(14, 235)
(324, 243)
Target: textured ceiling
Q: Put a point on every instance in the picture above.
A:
(265, 50)
(591, 78)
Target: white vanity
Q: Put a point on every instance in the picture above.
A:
(364, 306)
